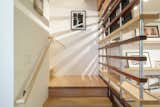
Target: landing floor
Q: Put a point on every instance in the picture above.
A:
(77, 81)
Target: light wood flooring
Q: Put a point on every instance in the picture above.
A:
(77, 81)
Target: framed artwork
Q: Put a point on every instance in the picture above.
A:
(132, 63)
(151, 31)
(78, 20)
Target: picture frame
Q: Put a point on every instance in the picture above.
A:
(131, 63)
(78, 20)
(151, 31)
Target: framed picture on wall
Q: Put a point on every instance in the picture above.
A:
(132, 63)
(151, 31)
(78, 20)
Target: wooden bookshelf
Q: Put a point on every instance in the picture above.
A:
(130, 89)
(116, 19)
(129, 26)
(133, 90)
(147, 71)
(151, 43)
(145, 43)
(112, 8)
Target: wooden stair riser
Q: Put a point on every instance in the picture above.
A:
(78, 92)
(80, 106)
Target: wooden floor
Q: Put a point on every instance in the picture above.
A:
(77, 81)
(78, 102)
(77, 91)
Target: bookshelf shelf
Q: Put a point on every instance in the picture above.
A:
(128, 88)
(117, 21)
(131, 25)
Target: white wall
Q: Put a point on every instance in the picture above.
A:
(6, 53)
(79, 56)
(30, 37)
(152, 6)
(46, 9)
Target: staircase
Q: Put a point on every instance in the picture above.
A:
(78, 94)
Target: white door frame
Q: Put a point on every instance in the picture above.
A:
(6, 53)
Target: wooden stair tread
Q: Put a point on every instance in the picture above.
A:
(78, 102)
(77, 81)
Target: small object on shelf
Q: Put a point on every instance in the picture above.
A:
(124, 3)
(151, 31)
(114, 26)
(127, 17)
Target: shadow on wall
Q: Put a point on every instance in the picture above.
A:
(90, 69)
(78, 54)
(62, 18)
(69, 39)
(69, 31)
(76, 62)
(76, 44)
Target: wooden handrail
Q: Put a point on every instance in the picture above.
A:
(131, 40)
(137, 79)
(29, 86)
(125, 57)
(100, 5)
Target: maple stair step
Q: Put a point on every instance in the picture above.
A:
(78, 102)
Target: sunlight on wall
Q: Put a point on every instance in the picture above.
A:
(90, 65)
(79, 55)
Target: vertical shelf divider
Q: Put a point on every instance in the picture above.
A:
(141, 51)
